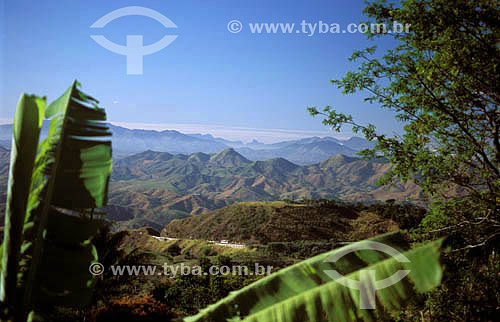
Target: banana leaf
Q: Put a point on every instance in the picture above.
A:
(25, 136)
(307, 292)
(72, 171)
(64, 269)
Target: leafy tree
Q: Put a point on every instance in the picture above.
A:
(443, 80)
(222, 260)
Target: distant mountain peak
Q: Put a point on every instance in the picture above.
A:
(255, 143)
(336, 161)
(229, 158)
(282, 162)
(153, 155)
(275, 164)
(148, 152)
(311, 150)
(199, 157)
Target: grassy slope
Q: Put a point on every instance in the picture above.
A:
(264, 222)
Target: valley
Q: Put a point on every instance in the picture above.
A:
(153, 188)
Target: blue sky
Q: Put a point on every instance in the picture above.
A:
(207, 79)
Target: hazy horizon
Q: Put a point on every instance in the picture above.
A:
(232, 133)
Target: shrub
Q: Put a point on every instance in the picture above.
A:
(174, 250)
(208, 251)
(132, 309)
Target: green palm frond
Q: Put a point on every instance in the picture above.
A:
(26, 132)
(306, 292)
(77, 150)
(49, 184)
(72, 171)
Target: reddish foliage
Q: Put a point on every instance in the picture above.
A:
(133, 308)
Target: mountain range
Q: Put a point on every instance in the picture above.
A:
(304, 151)
(152, 188)
(203, 173)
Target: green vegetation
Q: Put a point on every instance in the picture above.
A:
(304, 292)
(442, 81)
(121, 296)
(407, 216)
(46, 248)
(189, 293)
(128, 295)
(185, 295)
(292, 224)
(263, 222)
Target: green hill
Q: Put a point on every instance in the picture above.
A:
(265, 222)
